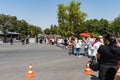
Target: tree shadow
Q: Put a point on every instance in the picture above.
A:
(93, 77)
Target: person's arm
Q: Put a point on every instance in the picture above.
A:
(98, 56)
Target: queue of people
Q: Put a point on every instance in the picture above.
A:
(107, 52)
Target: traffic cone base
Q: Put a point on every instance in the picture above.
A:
(88, 72)
(32, 75)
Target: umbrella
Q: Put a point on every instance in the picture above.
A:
(84, 34)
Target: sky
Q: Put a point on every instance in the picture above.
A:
(43, 13)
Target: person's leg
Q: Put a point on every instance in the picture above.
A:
(72, 49)
(77, 52)
(86, 51)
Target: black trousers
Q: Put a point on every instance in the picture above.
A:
(107, 72)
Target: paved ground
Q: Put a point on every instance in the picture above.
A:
(49, 63)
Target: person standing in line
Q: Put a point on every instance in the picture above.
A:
(53, 41)
(72, 42)
(87, 41)
(78, 45)
(36, 39)
(23, 41)
(95, 45)
(11, 40)
(108, 56)
(65, 43)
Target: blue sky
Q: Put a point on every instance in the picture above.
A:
(43, 13)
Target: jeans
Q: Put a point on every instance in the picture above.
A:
(77, 51)
(86, 51)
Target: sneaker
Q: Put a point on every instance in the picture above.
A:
(79, 56)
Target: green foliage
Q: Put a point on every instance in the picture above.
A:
(70, 18)
(115, 27)
(10, 23)
(53, 30)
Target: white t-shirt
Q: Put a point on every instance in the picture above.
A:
(78, 44)
(95, 48)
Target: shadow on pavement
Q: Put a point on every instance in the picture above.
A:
(93, 77)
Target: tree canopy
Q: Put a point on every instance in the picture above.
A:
(11, 24)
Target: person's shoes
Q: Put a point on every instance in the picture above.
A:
(79, 56)
(69, 53)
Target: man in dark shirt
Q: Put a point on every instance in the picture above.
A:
(108, 56)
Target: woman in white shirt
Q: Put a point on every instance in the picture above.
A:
(78, 45)
(96, 45)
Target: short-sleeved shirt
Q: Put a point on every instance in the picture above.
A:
(107, 57)
(72, 42)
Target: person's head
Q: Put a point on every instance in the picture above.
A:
(97, 39)
(110, 39)
(118, 40)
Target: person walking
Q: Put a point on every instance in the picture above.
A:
(108, 56)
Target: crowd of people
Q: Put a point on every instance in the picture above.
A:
(106, 50)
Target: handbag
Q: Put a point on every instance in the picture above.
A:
(94, 65)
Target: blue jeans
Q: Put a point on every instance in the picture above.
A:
(86, 51)
(77, 51)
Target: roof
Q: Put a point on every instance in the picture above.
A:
(13, 33)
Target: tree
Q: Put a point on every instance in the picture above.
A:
(76, 16)
(115, 26)
(10, 23)
(70, 18)
(103, 27)
(4, 22)
(63, 22)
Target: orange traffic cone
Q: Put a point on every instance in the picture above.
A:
(30, 73)
(88, 70)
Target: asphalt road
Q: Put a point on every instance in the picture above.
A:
(49, 63)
